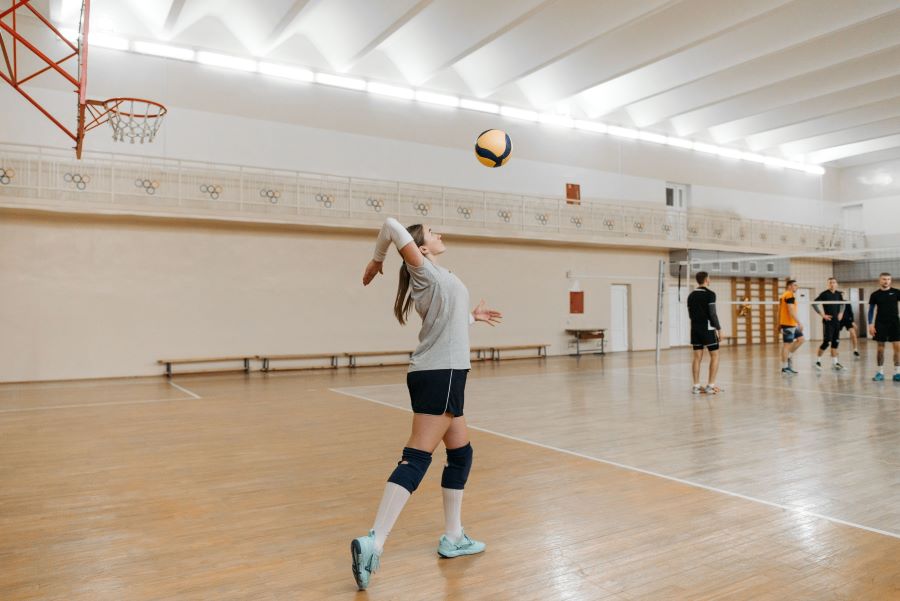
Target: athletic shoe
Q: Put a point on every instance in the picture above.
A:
(837, 367)
(879, 377)
(789, 370)
(465, 546)
(818, 365)
(365, 559)
(712, 390)
(856, 354)
(896, 378)
(696, 389)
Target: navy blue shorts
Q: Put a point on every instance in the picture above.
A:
(437, 391)
(790, 334)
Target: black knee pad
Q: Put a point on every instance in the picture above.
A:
(411, 469)
(459, 463)
(824, 345)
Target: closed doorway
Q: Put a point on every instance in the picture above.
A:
(618, 322)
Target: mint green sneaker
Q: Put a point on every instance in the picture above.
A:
(365, 559)
(465, 546)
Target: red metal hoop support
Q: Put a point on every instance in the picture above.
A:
(90, 113)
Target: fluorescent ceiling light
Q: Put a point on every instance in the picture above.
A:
(814, 169)
(383, 89)
(624, 132)
(295, 73)
(509, 111)
(680, 143)
(731, 153)
(477, 105)
(560, 120)
(753, 157)
(593, 126)
(106, 40)
(651, 137)
(164, 50)
(709, 148)
(215, 59)
(432, 98)
(350, 83)
(775, 162)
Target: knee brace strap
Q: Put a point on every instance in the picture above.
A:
(411, 469)
(459, 463)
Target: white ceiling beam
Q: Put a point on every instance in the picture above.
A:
(858, 148)
(545, 37)
(828, 104)
(877, 129)
(886, 109)
(806, 87)
(789, 25)
(837, 47)
(379, 38)
(869, 158)
(449, 29)
(173, 16)
(660, 34)
(288, 21)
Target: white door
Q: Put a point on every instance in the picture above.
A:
(618, 322)
(803, 295)
(679, 321)
(852, 216)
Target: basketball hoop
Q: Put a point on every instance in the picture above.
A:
(134, 119)
(130, 118)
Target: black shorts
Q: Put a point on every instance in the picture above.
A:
(437, 391)
(846, 324)
(887, 332)
(831, 334)
(704, 339)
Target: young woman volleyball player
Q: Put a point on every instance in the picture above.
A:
(436, 380)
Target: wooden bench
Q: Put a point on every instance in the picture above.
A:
(482, 353)
(351, 357)
(727, 339)
(267, 359)
(541, 350)
(170, 362)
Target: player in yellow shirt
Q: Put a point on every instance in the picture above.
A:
(791, 328)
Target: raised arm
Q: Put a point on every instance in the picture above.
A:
(392, 232)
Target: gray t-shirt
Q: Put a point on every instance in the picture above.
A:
(442, 301)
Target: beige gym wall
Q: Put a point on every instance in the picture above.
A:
(94, 296)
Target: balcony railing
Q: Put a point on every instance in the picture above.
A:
(40, 176)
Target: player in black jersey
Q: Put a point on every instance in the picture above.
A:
(705, 330)
(831, 323)
(884, 323)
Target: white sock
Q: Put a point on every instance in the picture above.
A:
(834, 360)
(897, 369)
(392, 502)
(881, 369)
(452, 513)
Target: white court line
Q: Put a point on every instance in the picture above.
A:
(795, 510)
(87, 383)
(136, 402)
(184, 390)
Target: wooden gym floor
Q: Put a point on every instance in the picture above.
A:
(600, 478)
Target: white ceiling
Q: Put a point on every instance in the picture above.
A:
(811, 80)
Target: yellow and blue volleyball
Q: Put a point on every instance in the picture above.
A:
(493, 147)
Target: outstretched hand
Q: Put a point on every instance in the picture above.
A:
(372, 269)
(488, 316)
